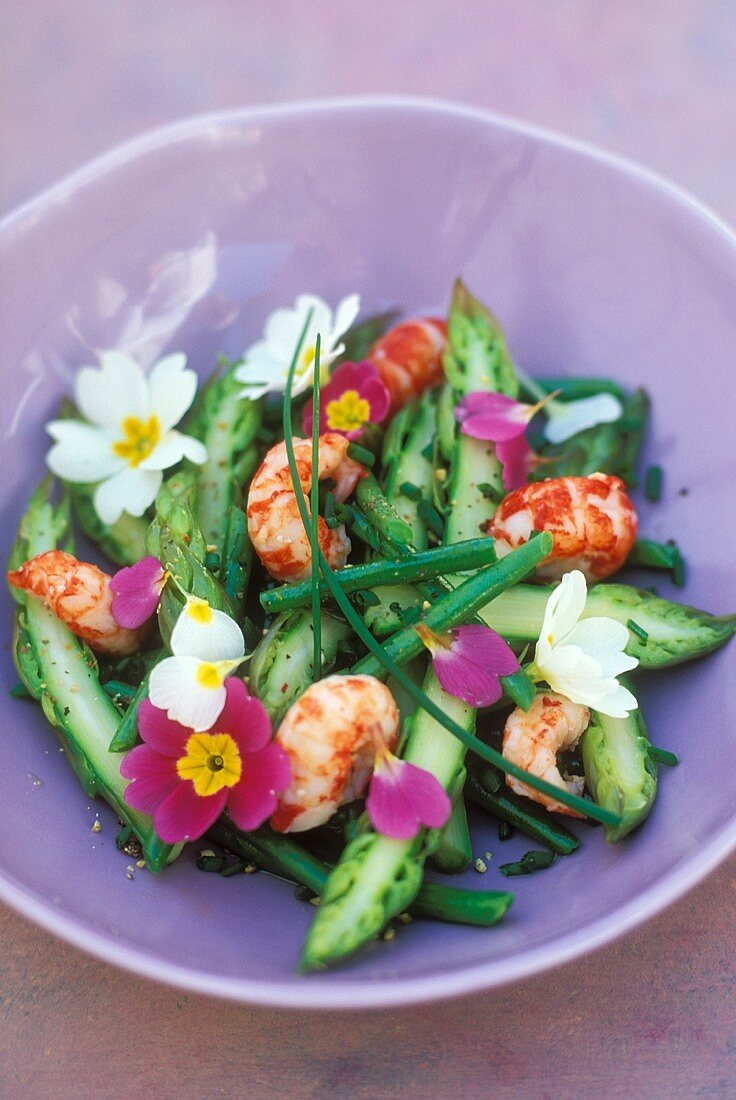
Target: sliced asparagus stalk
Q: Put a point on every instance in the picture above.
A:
(59, 671)
(619, 770)
(454, 850)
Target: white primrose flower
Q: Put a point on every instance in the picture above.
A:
(581, 659)
(266, 364)
(566, 418)
(207, 645)
(127, 437)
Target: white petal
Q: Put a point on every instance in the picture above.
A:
(205, 633)
(261, 373)
(105, 396)
(81, 452)
(172, 389)
(618, 703)
(173, 447)
(345, 314)
(132, 490)
(564, 608)
(174, 687)
(567, 418)
(605, 640)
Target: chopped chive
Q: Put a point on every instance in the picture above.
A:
(361, 454)
(520, 688)
(590, 809)
(236, 868)
(663, 756)
(368, 598)
(428, 452)
(213, 864)
(413, 492)
(429, 515)
(328, 510)
(638, 630)
(536, 860)
(212, 560)
(504, 830)
(490, 492)
(314, 524)
(19, 691)
(653, 483)
(123, 837)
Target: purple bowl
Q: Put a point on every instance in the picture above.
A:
(186, 239)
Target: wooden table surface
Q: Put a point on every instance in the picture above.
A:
(653, 1015)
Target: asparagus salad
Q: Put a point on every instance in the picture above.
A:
(365, 584)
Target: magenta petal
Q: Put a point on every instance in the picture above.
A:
(516, 457)
(153, 777)
(244, 717)
(253, 800)
(378, 397)
(185, 815)
(470, 668)
(491, 416)
(137, 591)
(402, 798)
(161, 732)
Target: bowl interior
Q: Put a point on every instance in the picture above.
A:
(186, 241)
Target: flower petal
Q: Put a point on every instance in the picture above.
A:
(185, 815)
(402, 798)
(254, 799)
(564, 608)
(162, 733)
(153, 777)
(118, 388)
(174, 687)
(345, 314)
(566, 418)
(516, 458)
(470, 667)
(491, 416)
(244, 717)
(171, 449)
(131, 490)
(81, 452)
(172, 388)
(605, 640)
(137, 591)
(206, 633)
(618, 703)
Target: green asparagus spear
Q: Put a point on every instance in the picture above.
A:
(454, 850)
(377, 876)
(62, 674)
(281, 667)
(674, 632)
(407, 457)
(619, 771)
(227, 424)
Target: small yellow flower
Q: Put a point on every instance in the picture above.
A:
(348, 413)
(212, 762)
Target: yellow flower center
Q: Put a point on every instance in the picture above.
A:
(212, 762)
(199, 610)
(348, 412)
(140, 437)
(306, 359)
(211, 674)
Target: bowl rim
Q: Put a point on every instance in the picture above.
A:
(346, 993)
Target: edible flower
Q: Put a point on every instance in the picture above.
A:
(403, 798)
(499, 419)
(266, 364)
(185, 778)
(469, 660)
(566, 418)
(207, 645)
(582, 659)
(127, 437)
(137, 590)
(354, 396)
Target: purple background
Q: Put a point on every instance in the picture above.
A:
(654, 1012)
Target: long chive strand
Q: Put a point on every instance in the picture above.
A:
(590, 809)
(314, 539)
